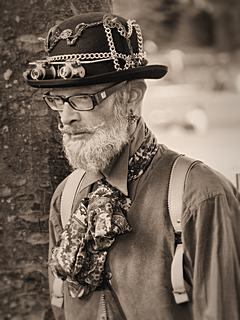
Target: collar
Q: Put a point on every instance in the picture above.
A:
(117, 174)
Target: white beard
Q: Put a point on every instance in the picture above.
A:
(97, 152)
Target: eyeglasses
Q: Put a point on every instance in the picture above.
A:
(80, 102)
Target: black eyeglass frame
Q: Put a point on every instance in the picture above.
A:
(96, 98)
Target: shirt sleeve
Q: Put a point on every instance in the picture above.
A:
(212, 243)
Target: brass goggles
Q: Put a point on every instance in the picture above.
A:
(82, 101)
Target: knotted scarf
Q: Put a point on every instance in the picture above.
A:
(80, 257)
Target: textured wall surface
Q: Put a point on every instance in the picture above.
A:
(32, 162)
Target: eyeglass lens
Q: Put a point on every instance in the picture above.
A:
(81, 102)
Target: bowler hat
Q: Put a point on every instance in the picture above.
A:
(92, 48)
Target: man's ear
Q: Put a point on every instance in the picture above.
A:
(136, 91)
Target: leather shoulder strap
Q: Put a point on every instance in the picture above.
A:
(180, 170)
(69, 191)
(68, 194)
(179, 174)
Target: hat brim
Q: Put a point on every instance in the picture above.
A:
(144, 72)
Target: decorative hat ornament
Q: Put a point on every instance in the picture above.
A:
(92, 48)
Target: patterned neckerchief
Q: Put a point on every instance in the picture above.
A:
(80, 258)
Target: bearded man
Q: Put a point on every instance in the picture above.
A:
(112, 241)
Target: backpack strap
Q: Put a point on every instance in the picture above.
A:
(69, 191)
(181, 167)
(68, 194)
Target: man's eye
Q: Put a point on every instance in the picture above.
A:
(81, 100)
(51, 99)
(58, 100)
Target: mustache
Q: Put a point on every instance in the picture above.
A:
(75, 129)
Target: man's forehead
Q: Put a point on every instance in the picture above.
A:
(82, 89)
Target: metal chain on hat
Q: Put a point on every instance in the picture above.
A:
(113, 23)
(81, 56)
(111, 44)
(139, 40)
(130, 60)
(92, 57)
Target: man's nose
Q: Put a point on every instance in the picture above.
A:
(69, 115)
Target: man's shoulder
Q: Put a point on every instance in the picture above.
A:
(205, 183)
(202, 182)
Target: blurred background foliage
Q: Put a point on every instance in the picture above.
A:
(204, 32)
(194, 109)
(212, 23)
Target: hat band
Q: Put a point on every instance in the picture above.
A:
(71, 65)
(97, 57)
